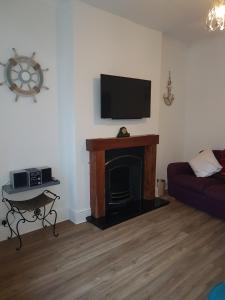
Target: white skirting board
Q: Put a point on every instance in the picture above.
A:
(79, 216)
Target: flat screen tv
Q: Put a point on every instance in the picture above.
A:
(125, 98)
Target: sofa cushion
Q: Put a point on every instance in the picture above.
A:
(220, 155)
(217, 154)
(216, 192)
(194, 183)
(205, 164)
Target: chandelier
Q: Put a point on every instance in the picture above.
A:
(216, 16)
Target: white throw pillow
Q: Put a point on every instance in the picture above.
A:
(205, 164)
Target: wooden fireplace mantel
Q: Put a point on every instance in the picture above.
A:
(126, 142)
(97, 148)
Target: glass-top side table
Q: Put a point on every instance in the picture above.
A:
(40, 208)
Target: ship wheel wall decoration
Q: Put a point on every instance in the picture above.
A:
(24, 76)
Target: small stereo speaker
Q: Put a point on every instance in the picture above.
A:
(46, 174)
(34, 176)
(19, 179)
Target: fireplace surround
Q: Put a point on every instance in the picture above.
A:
(98, 154)
(115, 166)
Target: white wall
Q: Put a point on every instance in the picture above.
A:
(30, 132)
(171, 121)
(205, 103)
(105, 43)
(79, 42)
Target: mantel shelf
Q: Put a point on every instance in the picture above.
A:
(10, 190)
(102, 144)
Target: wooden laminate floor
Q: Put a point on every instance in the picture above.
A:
(173, 253)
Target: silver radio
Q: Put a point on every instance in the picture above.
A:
(30, 177)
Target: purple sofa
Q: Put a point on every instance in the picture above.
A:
(207, 194)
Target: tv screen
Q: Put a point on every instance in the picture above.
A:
(125, 98)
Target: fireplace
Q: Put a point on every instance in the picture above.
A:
(122, 178)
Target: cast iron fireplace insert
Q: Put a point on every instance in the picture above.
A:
(123, 180)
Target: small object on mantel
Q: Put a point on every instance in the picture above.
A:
(123, 132)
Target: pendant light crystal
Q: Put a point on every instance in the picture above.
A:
(216, 16)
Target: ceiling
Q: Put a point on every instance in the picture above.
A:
(181, 19)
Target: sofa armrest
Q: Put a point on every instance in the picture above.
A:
(179, 168)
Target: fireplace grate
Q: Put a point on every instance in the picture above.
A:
(120, 199)
(120, 195)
